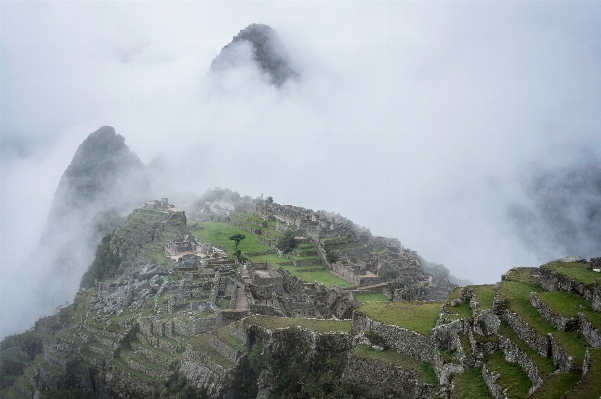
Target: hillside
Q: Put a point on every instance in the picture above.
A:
(168, 311)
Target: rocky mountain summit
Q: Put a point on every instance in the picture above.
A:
(306, 304)
(268, 52)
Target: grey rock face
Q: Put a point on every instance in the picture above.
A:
(267, 51)
(571, 259)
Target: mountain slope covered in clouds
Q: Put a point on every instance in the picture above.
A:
(266, 49)
(563, 216)
(104, 181)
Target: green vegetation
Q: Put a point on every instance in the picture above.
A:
(377, 297)
(224, 335)
(237, 238)
(523, 275)
(105, 266)
(225, 304)
(123, 366)
(485, 295)
(317, 325)
(288, 242)
(200, 343)
(589, 387)
(218, 233)
(556, 385)
(397, 359)
(545, 365)
(576, 271)
(569, 305)
(513, 378)
(470, 384)
(417, 316)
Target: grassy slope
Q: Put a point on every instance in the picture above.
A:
(417, 316)
(470, 384)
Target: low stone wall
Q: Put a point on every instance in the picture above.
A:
(150, 354)
(514, 354)
(558, 322)
(224, 349)
(538, 343)
(383, 379)
(271, 251)
(121, 383)
(596, 298)
(447, 334)
(592, 335)
(561, 358)
(402, 340)
(239, 332)
(134, 364)
(305, 262)
(491, 382)
(553, 281)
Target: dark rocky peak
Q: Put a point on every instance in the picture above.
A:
(100, 163)
(268, 50)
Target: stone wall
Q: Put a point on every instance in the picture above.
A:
(514, 354)
(592, 335)
(538, 343)
(553, 281)
(225, 350)
(561, 358)
(491, 382)
(384, 379)
(559, 322)
(402, 340)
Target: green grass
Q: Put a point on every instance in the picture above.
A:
(523, 275)
(324, 277)
(485, 295)
(396, 359)
(201, 343)
(513, 378)
(224, 335)
(225, 304)
(271, 258)
(420, 317)
(544, 364)
(219, 233)
(589, 387)
(573, 343)
(569, 305)
(518, 296)
(377, 297)
(317, 325)
(557, 385)
(576, 271)
(470, 384)
(123, 366)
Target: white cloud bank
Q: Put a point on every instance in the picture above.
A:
(418, 120)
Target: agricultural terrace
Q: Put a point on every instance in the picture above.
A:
(218, 234)
(577, 271)
(317, 325)
(397, 359)
(417, 316)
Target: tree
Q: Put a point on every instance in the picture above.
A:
(237, 238)
(269, 200)
(288, 242)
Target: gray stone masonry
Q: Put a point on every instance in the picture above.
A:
(402, 340)
(561, 358)
(590, 333)
(491, 379)
(558, 322)
(486, 323)
(381, 379)
(231, 354)
(553, 281)
(134, 364)
(514, 354)
(537, 342)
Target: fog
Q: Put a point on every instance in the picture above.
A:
(461, 128)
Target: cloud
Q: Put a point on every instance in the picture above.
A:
(417, 120)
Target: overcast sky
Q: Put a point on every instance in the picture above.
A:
(419, 120)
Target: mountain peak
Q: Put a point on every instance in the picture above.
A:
(268, 51)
